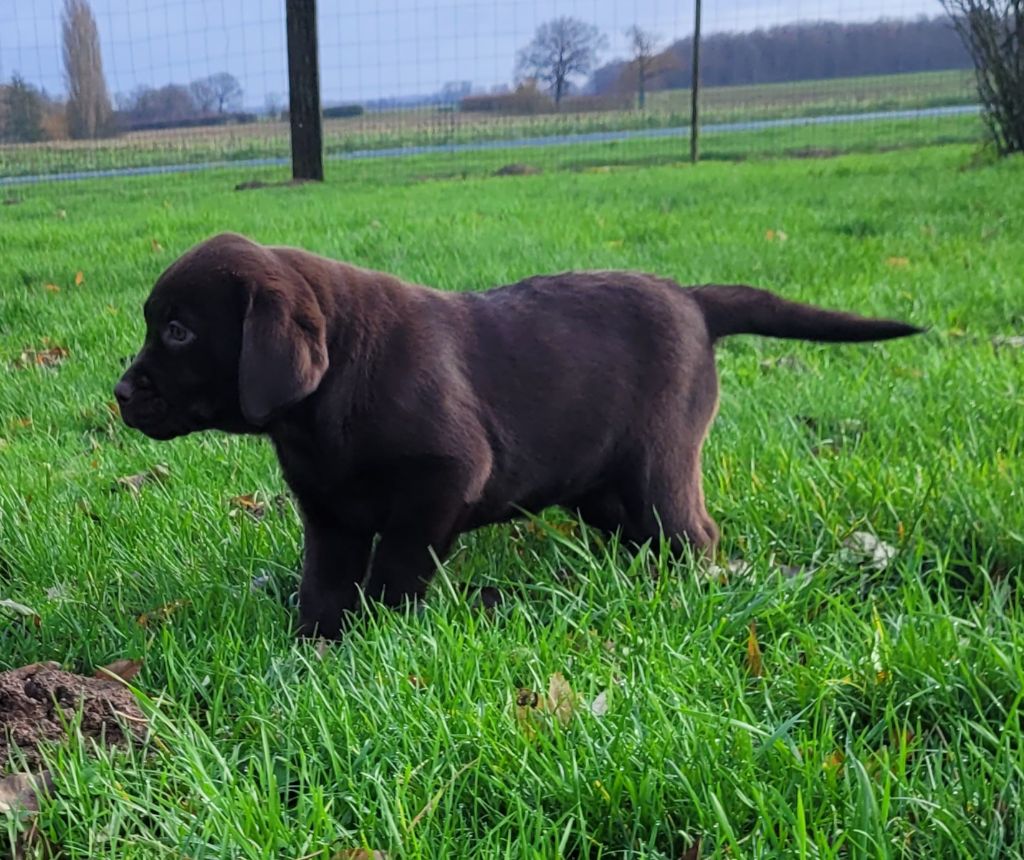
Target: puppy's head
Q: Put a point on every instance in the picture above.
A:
(234, 337)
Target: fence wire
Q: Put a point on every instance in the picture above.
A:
(186, 84)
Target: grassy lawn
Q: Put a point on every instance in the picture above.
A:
(430, 127)
(884, 718)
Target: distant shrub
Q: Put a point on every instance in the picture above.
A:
(340, 111)
(526, 99)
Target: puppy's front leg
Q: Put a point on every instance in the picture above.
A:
(334, 564)
(422, 526)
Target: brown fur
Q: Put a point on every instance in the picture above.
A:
(411, 414)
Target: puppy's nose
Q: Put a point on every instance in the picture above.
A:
(123, 391)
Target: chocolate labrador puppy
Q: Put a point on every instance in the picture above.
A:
(412, 414)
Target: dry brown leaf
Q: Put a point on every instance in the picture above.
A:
(79, 279)
(534, 710)
(754, 663)
(23, 610)
(561, 699)
(51, 288)
(19, 791)
(48, 356)
(249, 504)
(775, 235)
(19, 796)
(693, 852)
(134, 483)
(834, 761)
(155, 246)
(120, 670)
(897, 262)
(161, 613)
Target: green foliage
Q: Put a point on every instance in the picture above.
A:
(21, 119)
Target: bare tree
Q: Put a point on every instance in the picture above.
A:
(643, 45)
(993, 31)
(560, 49)
(228, 92)
(203, 96)
(273, 104)
(88, 110)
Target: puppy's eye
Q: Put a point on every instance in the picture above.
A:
(175, 334)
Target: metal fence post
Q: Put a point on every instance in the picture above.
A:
(695, 89)
(304, 90)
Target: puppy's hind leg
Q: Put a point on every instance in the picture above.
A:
(670, 502)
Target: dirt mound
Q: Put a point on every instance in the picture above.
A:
(517, 170)
(38, 702)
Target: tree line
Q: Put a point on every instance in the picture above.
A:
(792, 52)
(28, 114)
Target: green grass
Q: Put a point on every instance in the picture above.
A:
(668, 109)
(887, 721)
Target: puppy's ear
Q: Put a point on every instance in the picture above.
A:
(284, 349)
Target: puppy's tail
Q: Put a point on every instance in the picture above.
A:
(736, 309)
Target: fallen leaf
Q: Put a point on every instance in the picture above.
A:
(359, 854)
(897, 262)
(21, 609)
(79, 279)
(161, 613)
(834, 761)
(693, 852)
(775, 235)
(754, 663)
(155, 246)
(247, 504)
(19, 792)
(1014, 341)
(561, 699)
(260, 581)
(52, 288)
(49, 356)
(865, 548)
(123, 670)
(24, 423)
(134, 482)
(599, 707)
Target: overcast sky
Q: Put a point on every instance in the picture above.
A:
(367, 49)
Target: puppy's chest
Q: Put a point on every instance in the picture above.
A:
(326, 483)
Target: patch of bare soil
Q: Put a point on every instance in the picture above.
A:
(39, 702)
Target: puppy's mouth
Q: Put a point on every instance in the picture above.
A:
(152, 417)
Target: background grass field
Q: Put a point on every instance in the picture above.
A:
(431, 127)
(886, 717)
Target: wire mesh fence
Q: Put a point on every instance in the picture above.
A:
(186, 84)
